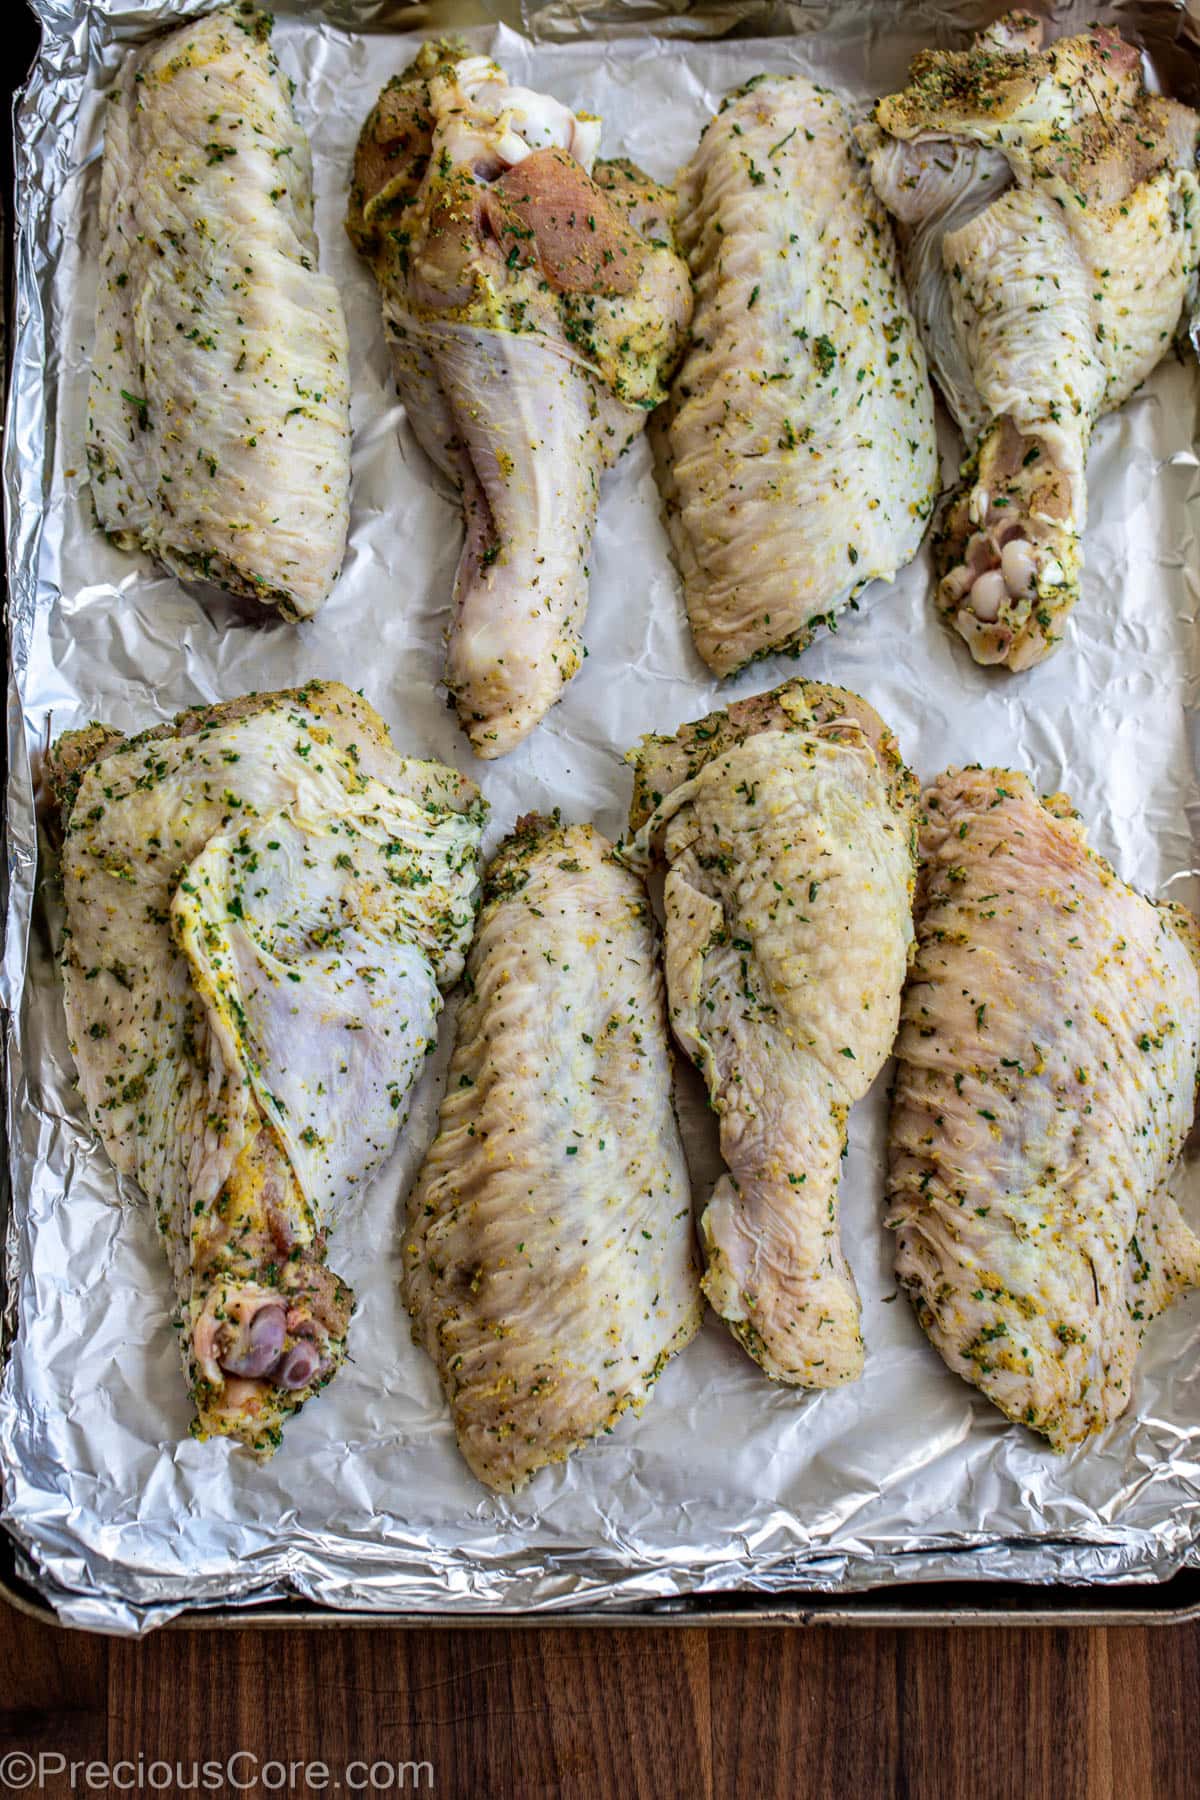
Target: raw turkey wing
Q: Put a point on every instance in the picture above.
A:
(797, 456)
(219, 409)
(1046, 1081)
(534, 305)
(549, 1265)
(264, 903)
(786, 826)
(1047, 206)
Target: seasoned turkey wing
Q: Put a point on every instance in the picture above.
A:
(786, 825)
(1045, 1084)
(263, 905)
(219, 409)
(1046, 205)
(533, 307)
(549, 1266)
(797, 457)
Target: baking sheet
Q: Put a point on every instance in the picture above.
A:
(726, 1482)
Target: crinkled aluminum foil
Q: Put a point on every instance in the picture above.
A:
(727, 1482)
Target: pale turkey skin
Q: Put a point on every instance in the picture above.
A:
(219, 407)
(549, 1263)
(1046, 1081)
(264, 903)
(534, 306)
(786, 824)
(797, 456)
(1050, 221)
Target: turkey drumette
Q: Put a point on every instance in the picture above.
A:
(1047, 210)
(534, 305)
(263, 904)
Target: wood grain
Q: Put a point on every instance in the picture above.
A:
(53, 1689)
(769, 1714)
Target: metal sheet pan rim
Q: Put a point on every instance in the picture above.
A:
(756, 1612)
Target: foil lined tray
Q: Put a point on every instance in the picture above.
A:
(729, 1497)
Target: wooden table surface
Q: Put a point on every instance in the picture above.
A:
(1077, 1715)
